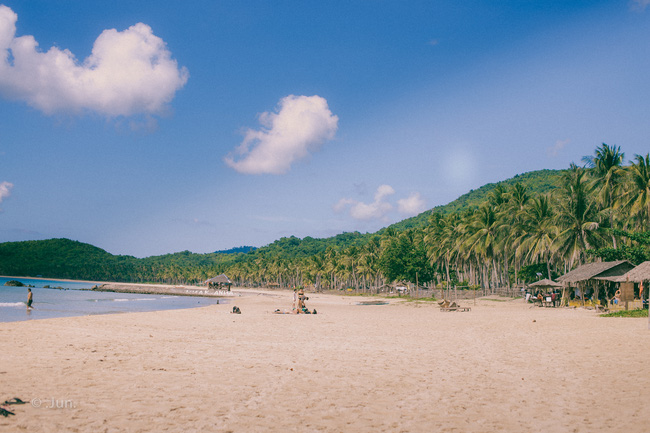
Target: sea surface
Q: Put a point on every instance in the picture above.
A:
(68, 299)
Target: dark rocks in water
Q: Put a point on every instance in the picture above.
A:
(14, 283)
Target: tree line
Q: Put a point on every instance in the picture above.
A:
(515, 232)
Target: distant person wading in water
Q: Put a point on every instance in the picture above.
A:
(30, 298)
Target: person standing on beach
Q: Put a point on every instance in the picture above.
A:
(30, 298)
(295, 299)
(553, 297)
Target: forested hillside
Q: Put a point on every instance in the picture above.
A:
(63, 258)
(536, 182)
(546, 221)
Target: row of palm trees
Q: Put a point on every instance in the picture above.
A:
(486, 246)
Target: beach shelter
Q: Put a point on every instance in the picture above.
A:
(219, 281)
(593, 275)
(545, 284)
(640, 275)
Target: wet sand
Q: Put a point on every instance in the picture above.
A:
(400, 367)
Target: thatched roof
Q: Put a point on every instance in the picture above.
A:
(545, 283)
(597, 271)
(637, 275)
(219, 279)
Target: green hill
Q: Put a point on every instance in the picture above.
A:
(64, 258)
(537, 182)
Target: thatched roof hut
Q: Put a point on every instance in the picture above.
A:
(637, 275)
(218, 280)
(545, 283)
(607, 271)
(593, 276)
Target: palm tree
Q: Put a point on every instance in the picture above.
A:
(576, 218)
(519, 196)
(538, 232)
(608, 175)
(442, 240)
(483, 242)
(637, 197)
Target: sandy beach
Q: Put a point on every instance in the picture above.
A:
(400, 367)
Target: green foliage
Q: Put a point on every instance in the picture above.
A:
(528, 273)
(405, 259)
(536, 182)
(628, 313)
(293, 247)
(63, 258)
(242, 249)
(634, 253)
(499, 234)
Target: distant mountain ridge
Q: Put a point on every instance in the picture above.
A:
(243, 249)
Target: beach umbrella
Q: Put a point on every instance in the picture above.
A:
(545, 283)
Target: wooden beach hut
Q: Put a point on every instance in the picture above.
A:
(636, 279)
(219, 282)
(593, 276)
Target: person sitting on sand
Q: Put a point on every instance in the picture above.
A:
(236, 310)
(301, 307)
(301, 299)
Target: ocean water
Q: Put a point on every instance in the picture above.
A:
(72, 300)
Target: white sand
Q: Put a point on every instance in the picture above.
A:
(403, 367)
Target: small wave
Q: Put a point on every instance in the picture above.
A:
(12, 304)
(134, 299)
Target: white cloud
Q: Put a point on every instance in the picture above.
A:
(378, 209)
(300, 126)
(639, 5)
(412, 205)
(128, 72)
(556, 148)
(5, 190)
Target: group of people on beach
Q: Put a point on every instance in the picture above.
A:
(299, 299)
(551, 298)
(298, 306)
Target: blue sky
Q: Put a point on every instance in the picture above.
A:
(147, 128)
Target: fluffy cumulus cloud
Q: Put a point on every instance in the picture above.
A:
(380, 207)
(298, 128)
(412, 205)
(376, 210)
(5, 190)
(128, 72)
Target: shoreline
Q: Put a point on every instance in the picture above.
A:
(53, 279)
(142, 288)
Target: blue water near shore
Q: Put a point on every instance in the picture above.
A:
(72, 300)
